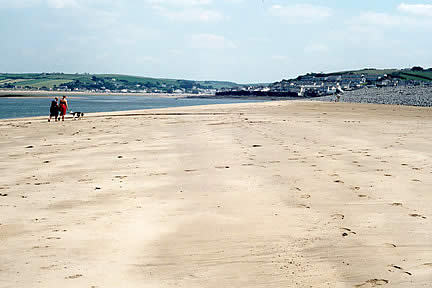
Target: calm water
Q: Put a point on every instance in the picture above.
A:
(29, 107)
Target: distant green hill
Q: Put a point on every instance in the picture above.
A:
(415, 73)
(117, 82)
(46, 81)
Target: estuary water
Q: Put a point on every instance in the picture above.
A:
(20, 107)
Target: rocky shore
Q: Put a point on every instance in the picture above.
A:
(410, 96)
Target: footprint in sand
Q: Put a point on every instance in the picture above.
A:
(36, 220)
(48, 267)
(120, 177)
(390, 245)
(43, 183)
(396, 204)
(3, 195)
(338, 216)
(373, 283)
(338, 181)
(40, 247)
(29, 147)
(306, 196)
(347, 232)
(418, 216)
(74, 276)
(355, 188)
(157, 174)
(400, 268)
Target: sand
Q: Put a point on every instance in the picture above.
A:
(280, 194)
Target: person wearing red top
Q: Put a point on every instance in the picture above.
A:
(63, 107)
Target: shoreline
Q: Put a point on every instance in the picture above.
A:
(131, 111)
(48, 94)
(151, 111)
(26, 93)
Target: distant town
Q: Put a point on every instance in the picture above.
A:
(309, 85)
(317, 85)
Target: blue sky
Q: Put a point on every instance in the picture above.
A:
(246, 41)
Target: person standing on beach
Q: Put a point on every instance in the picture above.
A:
(54, 109)
(63, 107)
(339, 92)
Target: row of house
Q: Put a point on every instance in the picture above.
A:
(193, 90)
(321, 85)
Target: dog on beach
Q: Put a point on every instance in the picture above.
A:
(77, 115)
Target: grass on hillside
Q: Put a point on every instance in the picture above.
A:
(46, 83)
(425, 75)
(417, 75)
(36, 80)
(13, 81)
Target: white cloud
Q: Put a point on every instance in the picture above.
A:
(62, 3)
(416, 9)
(186, 10)
(190, 15)
(181, 2)
(209, 41)
(58, 4)
(380, 19)
(385, 20)
(19, 3)
(301, 12)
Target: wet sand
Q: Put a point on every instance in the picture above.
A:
(280, 194)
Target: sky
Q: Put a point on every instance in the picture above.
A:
(245, 41)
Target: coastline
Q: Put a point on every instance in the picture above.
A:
(26, 93)
(275, 194)
(48, 94)
(205, 107)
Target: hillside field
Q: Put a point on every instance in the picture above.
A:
(104, 81)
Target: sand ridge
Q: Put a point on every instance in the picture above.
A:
(279, 194)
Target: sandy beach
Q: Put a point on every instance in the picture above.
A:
(278, 194)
